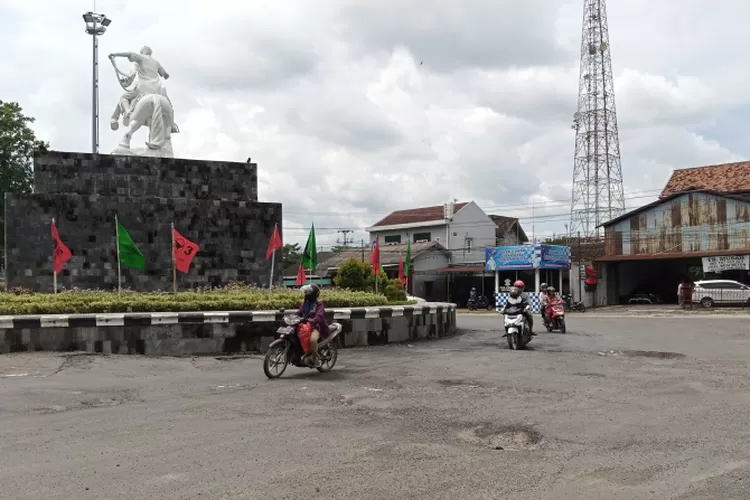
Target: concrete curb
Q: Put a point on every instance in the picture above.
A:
(207, 317)
(219, 332)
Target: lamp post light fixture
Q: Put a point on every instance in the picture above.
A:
(96, 25)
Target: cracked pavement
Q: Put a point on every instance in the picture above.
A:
(619, 408)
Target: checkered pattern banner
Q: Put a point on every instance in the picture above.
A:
(501, 298)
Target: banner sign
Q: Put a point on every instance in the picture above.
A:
(518, 258)
(726, 263)
(509, 258)
(555, 257)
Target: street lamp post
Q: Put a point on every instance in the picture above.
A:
(96, 25)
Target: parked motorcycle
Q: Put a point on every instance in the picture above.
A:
(288, 349)
(556, 319)
(570, 305)
(481, 303)
(517, 330)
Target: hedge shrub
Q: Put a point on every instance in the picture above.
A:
(231, 298)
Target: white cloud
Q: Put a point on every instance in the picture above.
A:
(353, 109)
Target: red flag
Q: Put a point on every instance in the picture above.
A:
(301, 278)
(401, 275)
(60, 253)
(184, 251)
(375, 256)
(275, 243)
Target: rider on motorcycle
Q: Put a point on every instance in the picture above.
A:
(550, 298)
(473, 294)
(314, 312)
(543, 301)
(518, 299)
(527, 314)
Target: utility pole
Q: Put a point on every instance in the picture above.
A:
(363, 250)
(346, 241)
(580, 267)
(597, 171)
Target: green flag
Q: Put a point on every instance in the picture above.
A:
(407, 262)
(130, 256)
(310, 255)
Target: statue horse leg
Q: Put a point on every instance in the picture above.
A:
(137, 120)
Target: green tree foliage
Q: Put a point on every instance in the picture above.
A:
(395, 291)
(290, 255)
(353, 275)
(18, 147)
(356, 275)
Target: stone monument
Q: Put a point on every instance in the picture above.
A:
(215, 204)
(144, 103)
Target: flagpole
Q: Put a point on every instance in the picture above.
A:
(174, 263)
(273, 260)
(117, 239)
(54, 273)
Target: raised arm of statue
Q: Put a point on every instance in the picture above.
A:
(132, 56)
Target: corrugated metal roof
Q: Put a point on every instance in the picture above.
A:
(414, 215)
(724, 178)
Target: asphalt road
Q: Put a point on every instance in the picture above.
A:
(619, 408)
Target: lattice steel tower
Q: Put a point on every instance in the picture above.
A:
(597, 173)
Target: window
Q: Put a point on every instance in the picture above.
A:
(393, 239)
(469, 244)
(422, 237)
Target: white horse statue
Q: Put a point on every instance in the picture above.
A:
(146, 103)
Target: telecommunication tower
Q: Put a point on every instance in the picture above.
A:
(597, 172)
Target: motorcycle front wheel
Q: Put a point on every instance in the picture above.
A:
(275, 361)
(328, 356)
(514, 341)
(561, 324)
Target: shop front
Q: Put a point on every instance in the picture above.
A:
(532, 264)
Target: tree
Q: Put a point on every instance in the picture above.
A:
(290, 255)
(18, 147)
(357, 275)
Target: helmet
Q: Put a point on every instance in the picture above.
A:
(519, 284)
(515, 292)
(473, 289)
(543, 286)
(311, 291)
(551, 289)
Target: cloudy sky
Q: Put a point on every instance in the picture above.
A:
(354, 108)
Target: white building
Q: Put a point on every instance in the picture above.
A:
(463, 229)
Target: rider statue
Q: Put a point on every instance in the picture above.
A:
(148, 72)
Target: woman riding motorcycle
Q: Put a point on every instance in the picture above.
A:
(519, 300)
(314, 312)
(527, 314)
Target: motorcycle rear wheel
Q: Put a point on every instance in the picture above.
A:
(276, 355)
(328, 356)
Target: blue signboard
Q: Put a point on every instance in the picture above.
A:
(509, 258)
(554, 257)
(517, 258)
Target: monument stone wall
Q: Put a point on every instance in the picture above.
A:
(214, 204)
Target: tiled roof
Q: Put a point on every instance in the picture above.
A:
(389, 255)
(414, 215)
(726, 178)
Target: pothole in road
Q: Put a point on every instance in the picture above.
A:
(644, 354)
(503, 437)
(473, 384)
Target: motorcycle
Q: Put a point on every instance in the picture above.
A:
(481, 303)
(570, 305)
(288, 349)
(516, 328)
(556, 319)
